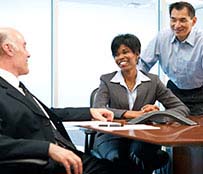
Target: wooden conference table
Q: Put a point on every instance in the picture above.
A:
(185, 141)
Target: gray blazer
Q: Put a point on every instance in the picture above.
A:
(114, 96)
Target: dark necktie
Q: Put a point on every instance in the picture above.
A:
(58, 137)
(29, 96)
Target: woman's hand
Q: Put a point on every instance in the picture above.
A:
(149, 108)
(132, 114)
(145, 109)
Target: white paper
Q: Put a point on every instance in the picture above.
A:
(89, 123)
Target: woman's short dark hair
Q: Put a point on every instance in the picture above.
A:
(180, 5)
(128, 40)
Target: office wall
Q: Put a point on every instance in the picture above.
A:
(85, 32)
(33, 20)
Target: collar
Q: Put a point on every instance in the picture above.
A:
(118, 78)
(9, 77)
(190, 39)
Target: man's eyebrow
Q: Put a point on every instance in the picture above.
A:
(177, 18)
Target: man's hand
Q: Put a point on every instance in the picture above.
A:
(101, 114)
(67, 158)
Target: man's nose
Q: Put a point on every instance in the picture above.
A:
(177, 24)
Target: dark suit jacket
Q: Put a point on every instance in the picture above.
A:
(24, 130)
(114, 96)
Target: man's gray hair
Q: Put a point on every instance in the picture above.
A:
(5, 37)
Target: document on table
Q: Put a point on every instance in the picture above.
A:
(107, 125)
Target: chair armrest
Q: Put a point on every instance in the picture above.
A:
(20, 166)
(39, 162)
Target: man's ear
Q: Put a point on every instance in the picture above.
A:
(194, 20)
(8, 49)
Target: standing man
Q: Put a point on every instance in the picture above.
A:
(28, 129)
(179, 51)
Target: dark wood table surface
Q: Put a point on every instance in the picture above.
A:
(185, 141)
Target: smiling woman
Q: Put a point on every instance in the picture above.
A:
(130, 93)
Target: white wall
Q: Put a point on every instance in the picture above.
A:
(85, 32)
(33, 20)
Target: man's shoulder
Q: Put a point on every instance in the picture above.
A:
(198, 33)
(165, 33)
(164, 36)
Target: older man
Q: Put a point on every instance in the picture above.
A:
(28, 129)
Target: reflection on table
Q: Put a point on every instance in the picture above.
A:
(186, 142)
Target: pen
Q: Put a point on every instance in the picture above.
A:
(109, 125)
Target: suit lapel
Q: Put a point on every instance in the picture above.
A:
(142, 90)
(123, 97)
(18, 96)
(14, 93)
(120, 92)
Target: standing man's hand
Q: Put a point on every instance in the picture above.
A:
(67, 158)
(101, 114)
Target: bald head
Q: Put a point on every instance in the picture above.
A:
(13, 53)
(8, 36)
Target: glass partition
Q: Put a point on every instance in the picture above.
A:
(199, 14)
(85, 32)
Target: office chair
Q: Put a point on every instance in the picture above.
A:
(22, 166)
(90, 134)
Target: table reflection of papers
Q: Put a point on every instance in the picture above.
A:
(129, 127)
(107, 125)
